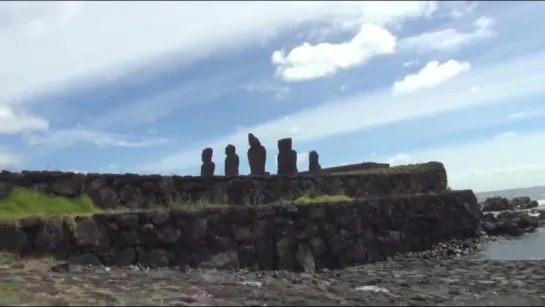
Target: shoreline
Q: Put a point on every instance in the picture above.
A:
(408, 281)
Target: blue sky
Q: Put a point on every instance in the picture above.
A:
(145, 86)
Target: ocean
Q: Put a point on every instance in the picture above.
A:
(527, 247)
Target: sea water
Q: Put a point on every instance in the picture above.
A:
(527, 247)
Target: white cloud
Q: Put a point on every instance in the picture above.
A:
(302, 161)
(532, 113)
(114, 168)
(398, 159)
(308, 62)
(100, 139)
(56, 44)
(448, 39)
(410, 63)
(14, 123)
(280, 91)
(504, 81)
(495, 164)
(429, 76)
(294, 130)
(8, 159)
(516, 115)
(460, 9)
(506, 135)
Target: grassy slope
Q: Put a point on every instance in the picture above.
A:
(409, 168)
(23, 202)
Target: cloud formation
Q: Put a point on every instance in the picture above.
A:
(100, 139)
(342, 116)
(8, 159)
(433, 74)
(12, 122)
(449, 39)
(308, 62)
(511, 161)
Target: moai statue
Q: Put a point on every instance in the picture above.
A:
(287, 158)
(231, 161)
(208, 167)
(257, 156)
(314, 162)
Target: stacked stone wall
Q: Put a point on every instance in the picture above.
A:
(131, 191)
(288, 237)
(351, 167)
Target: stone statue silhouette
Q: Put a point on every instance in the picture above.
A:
(287, 158)
(208, 167)
(313, 162)
(257, 156)
(231, 161)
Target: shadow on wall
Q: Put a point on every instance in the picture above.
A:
(286, 160)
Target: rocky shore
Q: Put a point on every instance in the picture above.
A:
(399, 282)
(447, 275)
(515, 217)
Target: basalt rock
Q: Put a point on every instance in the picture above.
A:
(313, 162)
(133, 191)
(208, 167)
(286, 237)
(231, 161)
(496, 204)
(509, 223)
(287, 158)
(257, 156)
(523, 202)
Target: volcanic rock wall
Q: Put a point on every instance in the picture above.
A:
(290, 237)
(112, 191)
(351, 167)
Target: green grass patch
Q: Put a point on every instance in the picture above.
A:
(23, 202)
(399, 169)
(307, 199)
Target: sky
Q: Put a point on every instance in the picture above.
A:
(143, 87)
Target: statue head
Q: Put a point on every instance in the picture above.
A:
(313, 157)
(284, 145)
(230, 150)
(206, 155)
(252, 140)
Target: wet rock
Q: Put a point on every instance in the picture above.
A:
(509, 223)
(523, 202)
(60, 268)
(496, 204)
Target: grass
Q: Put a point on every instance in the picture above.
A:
(307, 199)
(400, 169)
(23, 202)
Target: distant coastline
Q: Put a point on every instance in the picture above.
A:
(537, 193)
